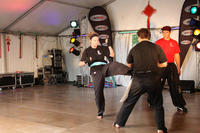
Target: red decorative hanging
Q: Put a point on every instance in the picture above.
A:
(36, 46)
(8, 42)
(0, 46)
(20, 50)
(148, 11)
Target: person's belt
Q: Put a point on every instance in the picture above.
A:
(142, 72)
(97, 63)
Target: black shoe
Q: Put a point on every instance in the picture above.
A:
(183, 109)
(165, 130)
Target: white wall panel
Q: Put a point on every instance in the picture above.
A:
(28, 62)
(2, 60)
(127, 14)
(12, 56)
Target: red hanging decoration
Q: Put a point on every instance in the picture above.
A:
(0, 46)
(37, 46)
(8, 42)
(148, 11)
(20, 50)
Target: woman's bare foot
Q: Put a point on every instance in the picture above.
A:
(100, 117)
(160, 131)
(116, 125)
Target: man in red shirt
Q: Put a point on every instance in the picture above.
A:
(172, 72)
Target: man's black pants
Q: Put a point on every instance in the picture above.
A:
(142, 83)
(171, 74)
(99, 73)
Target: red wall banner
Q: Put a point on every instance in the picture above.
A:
(20, 50)
(0, 46)
(37, 46)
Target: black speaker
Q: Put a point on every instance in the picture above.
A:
(187, 86)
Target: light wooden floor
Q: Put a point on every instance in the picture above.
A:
(68, 109)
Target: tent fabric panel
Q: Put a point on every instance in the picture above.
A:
(87, 3)
(10, 11)
(49, 18)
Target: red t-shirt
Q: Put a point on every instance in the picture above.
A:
(170, 48)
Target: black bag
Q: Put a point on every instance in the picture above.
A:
(187, 86)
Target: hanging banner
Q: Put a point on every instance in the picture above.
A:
(0, 45)
(185, 32)
(37, 46)
(8, 42)
(100, 22)
(20, 49)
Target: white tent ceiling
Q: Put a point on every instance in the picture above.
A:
(43, 17)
